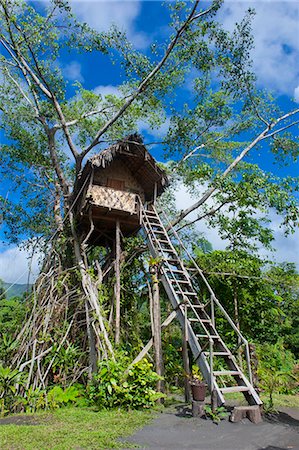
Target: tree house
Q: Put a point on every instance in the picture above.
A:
(116, 195)
(111, 187)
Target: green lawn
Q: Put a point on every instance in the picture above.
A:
(73, 428)
(291, 401)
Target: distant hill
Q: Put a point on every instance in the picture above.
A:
(17, 290)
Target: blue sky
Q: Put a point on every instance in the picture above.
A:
(276, 32)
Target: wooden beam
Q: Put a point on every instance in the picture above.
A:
(156, 313)
(149, 345)
(117, 282)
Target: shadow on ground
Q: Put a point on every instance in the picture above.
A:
(282, 418)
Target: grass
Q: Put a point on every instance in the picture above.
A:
(291, 401)
(73, 428)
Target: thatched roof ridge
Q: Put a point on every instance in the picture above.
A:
(130, 144)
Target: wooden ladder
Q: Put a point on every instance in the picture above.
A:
(204, 340)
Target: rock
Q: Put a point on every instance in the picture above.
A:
(198, 408)
(253, 413)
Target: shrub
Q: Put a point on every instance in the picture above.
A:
(276, 371)
(40, 399)
(9, 378)
(117, 384)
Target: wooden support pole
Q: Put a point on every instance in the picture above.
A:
(156, 314)
(186, 362)
(117, 282)
(91, 342)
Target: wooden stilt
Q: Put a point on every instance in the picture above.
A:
(156, 314)
(92, 344)
(117, 282)
(186, 362)
(187, 371)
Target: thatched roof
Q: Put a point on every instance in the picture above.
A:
(133, 154)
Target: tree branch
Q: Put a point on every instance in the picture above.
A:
(144, 83)
(208, 213)
(263, 135)
(19, 87)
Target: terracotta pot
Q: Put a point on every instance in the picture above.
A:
(198, 389)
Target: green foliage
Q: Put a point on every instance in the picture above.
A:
(65, 359)
(277, 371)
(119, 385)
(9, 378)
(217, 415)
(12, 314)
(265, 295)
(72, 395)
(34, 400)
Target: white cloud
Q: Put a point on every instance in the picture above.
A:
(158, 132)
(275, 31)
(101, 14)
(296, 94)
(287, 248)
(73, 71)
(15, 264)
(108, 89)
(183, 201)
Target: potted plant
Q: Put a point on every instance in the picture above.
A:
(198, 387)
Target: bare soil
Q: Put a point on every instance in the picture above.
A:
(176, 429)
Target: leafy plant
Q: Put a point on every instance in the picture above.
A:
(8, 380)
(72, 395)
(217, 414)
(196, 373)
(276, 371)
(119, 385)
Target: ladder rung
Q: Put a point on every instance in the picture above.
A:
(218, 353)
(175, 270)
(195, 306)
(179, 281)
(150, 220)
(203, 320)
(189, 293)
(226, 390)
(218, 373)
(206, 336)
(157, 225)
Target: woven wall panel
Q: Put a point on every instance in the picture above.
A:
(111, 198)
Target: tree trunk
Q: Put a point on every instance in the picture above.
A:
(156, 314)
(92, 343)
(117, 282)
(91, 293)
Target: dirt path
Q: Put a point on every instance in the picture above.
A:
(175, 429)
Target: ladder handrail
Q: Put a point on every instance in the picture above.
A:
(181, 305)
(142, 210)
(182, 295)
(214, 298)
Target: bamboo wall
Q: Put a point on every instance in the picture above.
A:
(112, 198)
